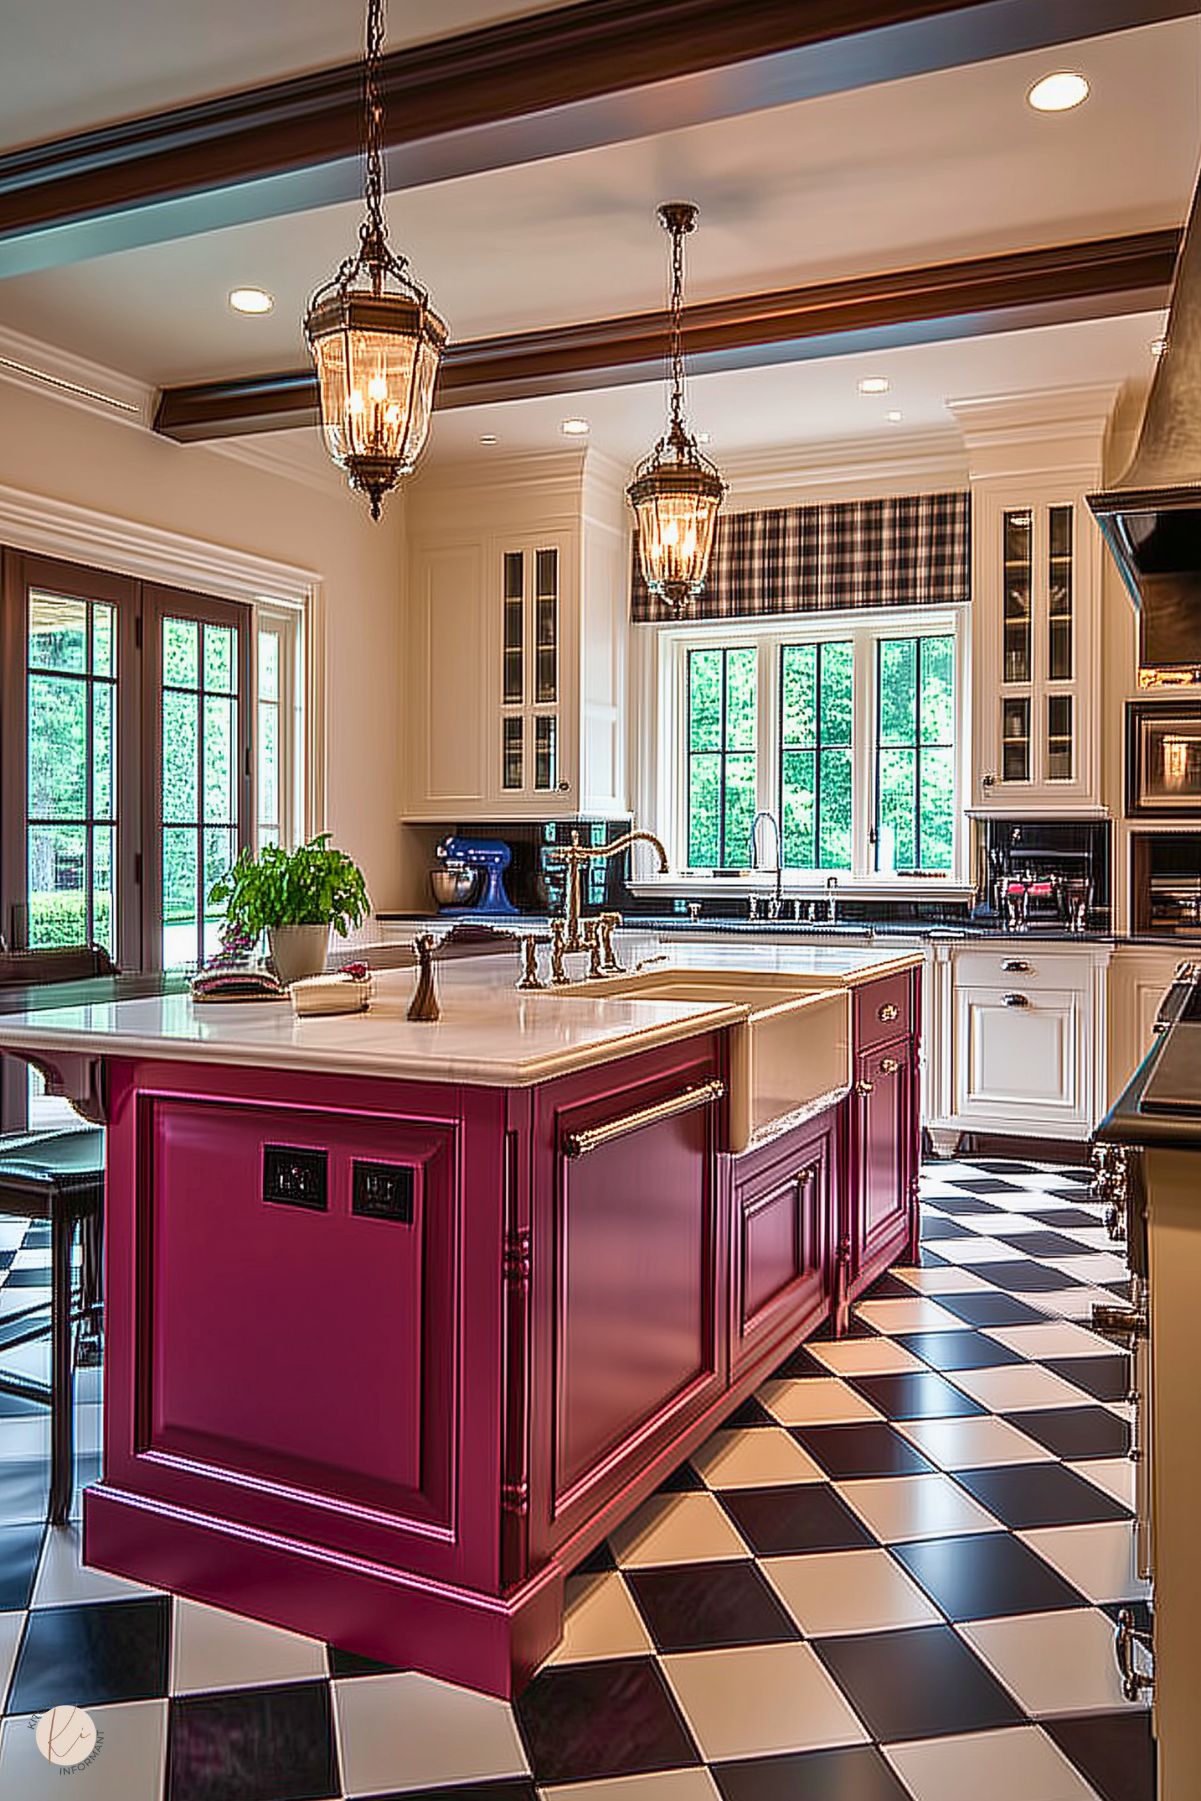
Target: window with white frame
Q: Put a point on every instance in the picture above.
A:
(849, 730)
(279, 725)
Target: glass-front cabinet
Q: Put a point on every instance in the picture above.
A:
(529, 751)
(1035, 647)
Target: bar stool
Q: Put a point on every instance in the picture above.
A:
(57, 1177)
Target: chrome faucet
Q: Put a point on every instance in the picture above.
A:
(575, 855)
(774, 905)
(832, 899)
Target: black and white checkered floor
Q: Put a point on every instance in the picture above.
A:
(892, 1576)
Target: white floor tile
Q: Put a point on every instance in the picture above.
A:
(848, 1591)
(755, 1457)
(903, 1315)
(215, 1649)
(686, 1528)
(601, 1620)
(976, 1250)
(408, 1731)
(128, 1761)
(942, 1281)
(997, 1225)
(1114, 1474)
(1098, 1559)
(1058, 1338)
(1095, 1267)
(1017, 1386)
(974, 1441)
(11, 1625)
(661, 1785)
(904, 1507)
(63, 1578)
(1053, 1663)
(875, 1356)
(815, 1401)
(1020, 1761)
(759, 1700)
(1070, 1303)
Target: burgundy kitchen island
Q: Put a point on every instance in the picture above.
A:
(402, 1320)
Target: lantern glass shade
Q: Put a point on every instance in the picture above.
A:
(377, 358)
(676, 506)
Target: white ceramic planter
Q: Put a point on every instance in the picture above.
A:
(298, 951)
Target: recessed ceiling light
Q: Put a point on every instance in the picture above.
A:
(251, 300)
(894, 417)
(489, 437)
(1058, 93)
(575, 428)
(1157, 346)
(874, 384)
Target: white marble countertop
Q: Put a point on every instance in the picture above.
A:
(489, 1033)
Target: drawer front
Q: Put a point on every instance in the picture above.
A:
(1023, 967)
(883, 1010)
(1020, 1057)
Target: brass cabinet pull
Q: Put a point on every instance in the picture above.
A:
(1016, 966)
(889, 1066)
(865, 1087)
(1125, 1640)
(887, 1012)
(1121, 1324)
(1014, 1000)
(578, 1144)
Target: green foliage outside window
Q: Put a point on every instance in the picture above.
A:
(722, 735)
(915, 811)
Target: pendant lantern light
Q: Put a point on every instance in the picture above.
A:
(374, 337)
(676, 492)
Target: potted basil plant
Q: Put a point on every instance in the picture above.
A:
(295, 897)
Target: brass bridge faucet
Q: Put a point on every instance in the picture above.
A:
(575, 855)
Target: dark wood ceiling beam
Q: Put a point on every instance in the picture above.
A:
(944, 301)
(593, 73)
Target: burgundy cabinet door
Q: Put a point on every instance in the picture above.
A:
(881, 1138)
(780, 1228)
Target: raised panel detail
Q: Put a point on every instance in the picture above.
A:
(457, 706)
(1018, 1051)
(780, 1228)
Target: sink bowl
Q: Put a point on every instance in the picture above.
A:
(793, 1048)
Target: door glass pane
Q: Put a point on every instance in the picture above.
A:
(104, 698)
(512, 772)
(1015, 740)
(546, 627)
(704, 810)
(816, 702)
(58, 747)
(181, 740)
(180, 881)
(268, 783)
(57, 865)
(723, 706)
(1060, 601)
(181, 653)
(1059, 737)
(896, 845)
(104, 890)
(915, 754)
(220, 729)
(545, 735)
(268, 665)
(220, 665)
(1017, 580)
(220, 849)
(103, 645)
(514, 630)
(937, 809)
(58, 633)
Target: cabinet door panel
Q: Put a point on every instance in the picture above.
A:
(451, 744)
(780, 1225)
(882, 1109)
(1018, 1056)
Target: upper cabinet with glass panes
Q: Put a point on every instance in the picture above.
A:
(1035, 640)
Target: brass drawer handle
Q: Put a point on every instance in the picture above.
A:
(578, 1144)
(889, 1066)
(1016, 966)
(887, 1012)
(1014, 1000)
(865, 1088)
(1126, 1640)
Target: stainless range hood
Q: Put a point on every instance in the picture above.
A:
(1152, 518)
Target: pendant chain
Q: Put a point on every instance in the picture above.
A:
(373, 229)
(677, 328)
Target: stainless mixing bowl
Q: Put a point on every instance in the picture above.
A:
(452, 887)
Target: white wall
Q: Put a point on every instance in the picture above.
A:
(54, 449)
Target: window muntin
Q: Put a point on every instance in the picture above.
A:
(915, 754)
(817, 706)
(722, 704)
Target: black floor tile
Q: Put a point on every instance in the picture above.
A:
(1059, 1217)
(1113, 1751)
(682, 1481)
(1001, 1166)
(20, 1547)
(253, 1744)
(17, 1407)
(1024, 1276)
(1076, 1432)
(508, 1788)
(352, 1663)
(24, 1489)
(597, 1561)
(934, 1228)
(887, 1288)
(801, 1363)
(1040, 1494)
(958, 1350)
(752, 1413)
(28, 1278)
(108, 1651)
(864, 1448)
(615, 1717)
(857, 1328)
(988, 1184)
(857, 1773)
(704, 1606)
(986, 1575)
(956, 1204)
(928, 1259)
(1044, 1244)
(782, 1521)
(917, 1684)
(1105, 1378)
(981, 1309)
(915, 1395)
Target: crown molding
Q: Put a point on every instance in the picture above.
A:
(280, 459)
(925, 458)
(1048, 431)
(50, 372)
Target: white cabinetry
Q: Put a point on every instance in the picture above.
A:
(515, 635)
(1036, 599)
(1140, 976)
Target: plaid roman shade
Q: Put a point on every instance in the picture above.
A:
(912, 550)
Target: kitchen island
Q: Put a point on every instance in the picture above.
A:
(403, 1319)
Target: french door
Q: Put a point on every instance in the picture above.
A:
(127, 773)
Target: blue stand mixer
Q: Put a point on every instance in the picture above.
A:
(489, 858)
